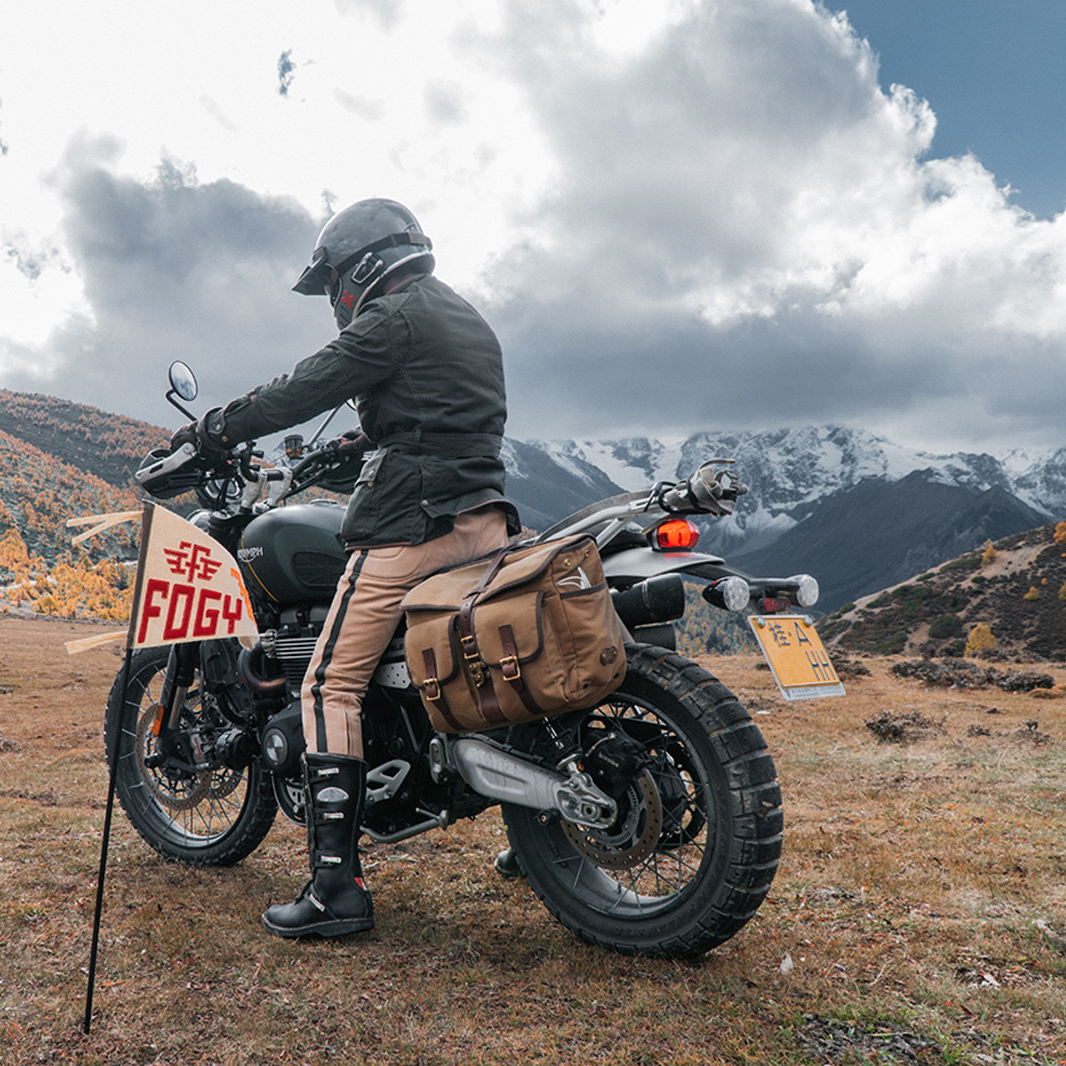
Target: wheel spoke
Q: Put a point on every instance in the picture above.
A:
(663, 878)
(181, 813)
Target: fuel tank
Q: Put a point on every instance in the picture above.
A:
(293, 554)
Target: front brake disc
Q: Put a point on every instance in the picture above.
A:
(174, 789)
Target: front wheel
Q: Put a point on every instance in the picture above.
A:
(211, 817)
(697, 839)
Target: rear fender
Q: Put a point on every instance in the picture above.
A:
(630, 565)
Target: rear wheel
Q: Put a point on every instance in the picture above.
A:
(211, 817)
(697, 839)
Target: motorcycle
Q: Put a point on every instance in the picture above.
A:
(648, 824)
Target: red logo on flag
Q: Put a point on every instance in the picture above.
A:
(192, 561)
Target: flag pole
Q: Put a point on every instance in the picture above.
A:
(112, 771)
(124, 684)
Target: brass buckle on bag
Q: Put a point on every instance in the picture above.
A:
(507, 663)
(432, 688)
(478, 670)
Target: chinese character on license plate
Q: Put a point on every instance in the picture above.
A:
(795, 654)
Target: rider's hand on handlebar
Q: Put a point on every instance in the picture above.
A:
(353, 441)
(195, 435)
(185, 435)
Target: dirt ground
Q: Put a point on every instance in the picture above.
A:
(918, 916)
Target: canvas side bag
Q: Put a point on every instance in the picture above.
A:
(530, 633)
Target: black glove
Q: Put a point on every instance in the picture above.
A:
(195, 434)
(354, 442)
(185, 435)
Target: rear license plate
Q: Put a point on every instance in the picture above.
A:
(796, 656)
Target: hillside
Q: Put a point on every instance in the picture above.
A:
(39, 492)
(110, 446)
(903, 527)
(40, 570)
(858, 512)
(1017, 589)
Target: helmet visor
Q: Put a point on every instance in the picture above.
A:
(317, 279)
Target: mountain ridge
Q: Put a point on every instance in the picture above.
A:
(845, 504)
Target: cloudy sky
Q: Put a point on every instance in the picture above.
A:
(678, 215)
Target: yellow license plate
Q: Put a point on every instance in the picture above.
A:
(796, 656)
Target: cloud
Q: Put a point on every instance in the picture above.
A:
(30, 262)
(286, 72)
(748, 231)
(212, 108)
(364, 107)
(388, 13)
(172, 269)
(445, 103)
(699, 214)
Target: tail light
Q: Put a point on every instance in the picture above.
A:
(677, 534)
(774, 604)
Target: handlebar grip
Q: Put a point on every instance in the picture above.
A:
(677, 497)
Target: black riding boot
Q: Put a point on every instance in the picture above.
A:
(335, 900)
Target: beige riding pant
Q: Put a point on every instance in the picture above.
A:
(363, 619)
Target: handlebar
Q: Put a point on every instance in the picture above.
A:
(705, 492)
(169, 473)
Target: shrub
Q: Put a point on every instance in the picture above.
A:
(1060, 533)
(989, 554)
(947, 625)
(1032, 595)
(892, 645)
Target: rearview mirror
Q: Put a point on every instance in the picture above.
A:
(183, 380)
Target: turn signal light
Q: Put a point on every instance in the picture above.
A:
(678, 534)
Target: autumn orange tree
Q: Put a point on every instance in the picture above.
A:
(40, 570)
(980, 640)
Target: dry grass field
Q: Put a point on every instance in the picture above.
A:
(919, 915)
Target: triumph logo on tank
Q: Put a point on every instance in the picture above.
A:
(188, 586)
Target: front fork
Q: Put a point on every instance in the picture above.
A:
(178, 677)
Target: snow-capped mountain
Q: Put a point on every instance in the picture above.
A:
(811, 475)
(789, 470)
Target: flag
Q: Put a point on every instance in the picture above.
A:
(188, 586)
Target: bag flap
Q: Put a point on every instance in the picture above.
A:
(526, 564)
(447, 591)
(432, 651)
(511, 628)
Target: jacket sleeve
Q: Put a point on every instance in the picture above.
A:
(363, 356)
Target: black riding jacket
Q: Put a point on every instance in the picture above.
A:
(426, 372)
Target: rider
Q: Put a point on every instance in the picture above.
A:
(426, 373)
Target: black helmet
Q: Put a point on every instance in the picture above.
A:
(357, 248)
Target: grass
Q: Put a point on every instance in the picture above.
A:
(919, 915)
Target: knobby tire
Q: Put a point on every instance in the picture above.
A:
(719, 830)
(214, 818)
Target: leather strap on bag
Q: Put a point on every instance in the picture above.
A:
(475, 667)
(511, 670)
(434, 692)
